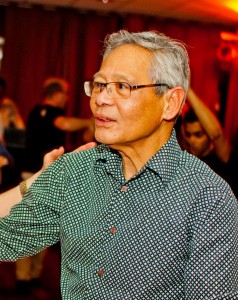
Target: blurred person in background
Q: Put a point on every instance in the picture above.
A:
(10, 115)
(12, 135)
(205, 139)
(48, 124)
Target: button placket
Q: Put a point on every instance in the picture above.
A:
(111, 230)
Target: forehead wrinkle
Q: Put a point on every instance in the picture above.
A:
(122, 65)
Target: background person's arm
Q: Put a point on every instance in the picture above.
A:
(72, 123)
(211, 125)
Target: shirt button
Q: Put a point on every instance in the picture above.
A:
(124, 188)
(101, 272)
(113, 229)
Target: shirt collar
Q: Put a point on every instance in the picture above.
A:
(164, 163)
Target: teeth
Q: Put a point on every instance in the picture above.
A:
(104, 119)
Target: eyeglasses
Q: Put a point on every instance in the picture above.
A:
(118, 90)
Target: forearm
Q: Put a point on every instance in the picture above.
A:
(22, 231)
(71, 123)
(13, 196)
(207, 118)
(211, 125)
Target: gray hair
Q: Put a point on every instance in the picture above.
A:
(170, 63)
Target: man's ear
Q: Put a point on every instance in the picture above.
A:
(174, 101)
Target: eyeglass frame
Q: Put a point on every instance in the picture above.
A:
(132, 87)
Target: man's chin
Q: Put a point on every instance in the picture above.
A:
(109, 142)
(103, 139)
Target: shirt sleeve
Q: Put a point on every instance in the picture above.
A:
(212, 268)
(33, 224)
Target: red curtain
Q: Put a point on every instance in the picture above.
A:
(67, 43)
(41, 43)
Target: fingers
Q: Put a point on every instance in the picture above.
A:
(58, 152)
(86, 147)
(52, 156)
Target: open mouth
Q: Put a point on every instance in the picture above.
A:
(103, 118)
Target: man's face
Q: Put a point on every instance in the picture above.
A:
(61, 98)
(126, 121)
(197, 139)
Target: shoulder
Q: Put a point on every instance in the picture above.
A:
(200, 175)
(77, 162)
(204, 191)
(195, 165)
(54, 111)
(46, 111)
(35, 111)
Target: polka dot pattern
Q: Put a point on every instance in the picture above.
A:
(170, 232)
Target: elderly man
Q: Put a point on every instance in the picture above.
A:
(137, 218)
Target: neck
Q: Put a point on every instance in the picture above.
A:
(49, 101)
(137, 154)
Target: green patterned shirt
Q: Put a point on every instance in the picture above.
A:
(170, 232)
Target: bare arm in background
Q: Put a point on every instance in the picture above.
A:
(211, 125)
(13, 196)
(72, 123)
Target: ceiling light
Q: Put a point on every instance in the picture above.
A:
(232, 4)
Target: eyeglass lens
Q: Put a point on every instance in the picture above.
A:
(114, 89)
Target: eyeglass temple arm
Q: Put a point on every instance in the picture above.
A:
(135, 87)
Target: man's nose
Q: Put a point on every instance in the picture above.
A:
(192, 139)
(104, 98)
